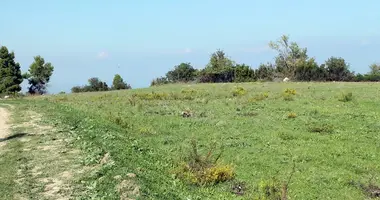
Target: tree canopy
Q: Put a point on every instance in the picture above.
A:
(39, 75)
(10, 72)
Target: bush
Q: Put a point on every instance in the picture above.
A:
(159, 81)
(292, 115)
(321, 128)
(346, 97)
(288, 94)
(202, 170)
(272, 190)
(239, 91)
(259, 97)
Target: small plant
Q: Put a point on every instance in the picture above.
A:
(288, 94)
(202, 170)
(292, 115)
(290, 91)
(288, 97)
(146, 131)
(274, 189)
(270, 190)
(239, 91)
(259, 97)
(346, 97)
(321, 128)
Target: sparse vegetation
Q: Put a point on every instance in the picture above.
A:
(152, 127)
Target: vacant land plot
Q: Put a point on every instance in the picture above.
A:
(316, 140)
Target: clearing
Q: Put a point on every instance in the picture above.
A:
(130, 144)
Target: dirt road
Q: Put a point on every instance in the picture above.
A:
(4, 127)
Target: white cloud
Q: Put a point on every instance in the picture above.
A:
(103, 55)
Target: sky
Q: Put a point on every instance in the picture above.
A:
(142, 40)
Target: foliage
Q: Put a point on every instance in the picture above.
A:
(202, 170)
(219, 69)
(259, 146)
(239, 91)
(338, 70)
(346, 97)
(10, 73)
(308, 70)
(159, 81)
(119, 84)
(289, 56)
(271, 190)
(265, 72)
(292, 115)
(39, 75)
(244, 73)
(374, 68)
(183, 72)
(94, 85)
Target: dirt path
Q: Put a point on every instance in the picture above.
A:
(4, 127)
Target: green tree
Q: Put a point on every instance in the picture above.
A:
(10, 73)
(183, 72)
(265, 72)
(119, 84)
(244, 73)
(289, 56)
(219, 69)
(39, 75)
(375, 68)
(338, 70)
(308, 70)
(96, 85)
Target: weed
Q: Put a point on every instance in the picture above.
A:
(132, 101)
(288, 97)
(288, 94)
(321, 128)
(290, 91)
(292, 115)
(202, 170)
(146, 131)
(270, 190)
(259, 97)
(346, 97)
(239, 91)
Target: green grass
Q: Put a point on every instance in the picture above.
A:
(332, 142)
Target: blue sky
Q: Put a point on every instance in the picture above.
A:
(143, 39)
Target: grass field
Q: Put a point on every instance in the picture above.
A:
(325, 137)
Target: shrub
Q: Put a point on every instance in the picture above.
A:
(288, 97)
(239, 91)
(290, 91)
(159, 81)
(259, 97)
(202, 170)
(321, 128)
(270, 190)
(346, 97)
(146, 131)
(292, 115)
(288, 94)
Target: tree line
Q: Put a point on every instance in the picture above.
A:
(291, 61)
(11, 77)
(95, 85)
